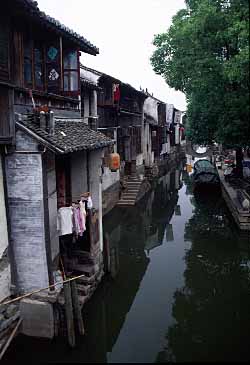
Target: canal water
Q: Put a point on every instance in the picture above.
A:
(179, 287)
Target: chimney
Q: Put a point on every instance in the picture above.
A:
(43, 123)
(93, 122)
(51, 123)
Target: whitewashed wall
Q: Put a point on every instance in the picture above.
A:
(91, 76)
(3, 221)
(109, 178)
(150, 108)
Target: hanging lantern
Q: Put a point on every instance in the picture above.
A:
(114, 162)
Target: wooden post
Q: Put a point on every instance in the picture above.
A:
(77, 308)
(69, 315)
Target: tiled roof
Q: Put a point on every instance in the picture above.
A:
(103, 75)
(70, 136)
(55, 25)
(89, 84)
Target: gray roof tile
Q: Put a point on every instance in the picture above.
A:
(70, 136)
(82, 42)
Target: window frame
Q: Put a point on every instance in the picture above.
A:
(33, 85)
(76, 71)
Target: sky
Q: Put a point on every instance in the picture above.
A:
(123, 31)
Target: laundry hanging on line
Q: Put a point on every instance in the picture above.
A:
(72, 220)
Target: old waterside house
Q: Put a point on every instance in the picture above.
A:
(52, 163)
(121, 117)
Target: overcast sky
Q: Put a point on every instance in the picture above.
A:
(123, 31)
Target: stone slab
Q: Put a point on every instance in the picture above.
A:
(38, 319)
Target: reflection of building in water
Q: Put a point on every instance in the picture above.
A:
(169, 233)
(217, 272)
(129, 233)
(177, 210)
(163, 207)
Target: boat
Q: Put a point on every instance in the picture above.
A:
(205, 175)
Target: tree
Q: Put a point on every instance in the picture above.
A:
(205, 54)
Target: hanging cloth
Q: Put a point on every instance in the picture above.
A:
(83, 215)
(90, 203)
(76, 222)
(65, 221)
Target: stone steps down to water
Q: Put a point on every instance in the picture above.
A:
(130, 195)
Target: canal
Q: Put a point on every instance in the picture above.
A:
(179, 287)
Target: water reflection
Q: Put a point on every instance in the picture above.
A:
(178, 288)
(212, 309)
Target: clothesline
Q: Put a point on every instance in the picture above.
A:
(72, 219)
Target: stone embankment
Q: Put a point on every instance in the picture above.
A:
(9, 316)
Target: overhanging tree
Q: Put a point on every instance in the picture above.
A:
(205, 54)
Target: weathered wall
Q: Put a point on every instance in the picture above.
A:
(148, 155)
(110, 197)
(150, 109)
(109, 178)
(26, 209)
(86, 107)
(95, 163)
(91, 76)
(78, 175)
(139, 159)
(52, 204)
(4, 262)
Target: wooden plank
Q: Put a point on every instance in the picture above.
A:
(77, 309)
(69, 315)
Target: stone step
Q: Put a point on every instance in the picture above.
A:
(133, 183)
(132, 193)
(126, 202)
(128, 196)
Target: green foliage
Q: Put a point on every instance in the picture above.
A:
(205, 54)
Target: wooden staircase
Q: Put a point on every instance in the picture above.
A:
(129, 196)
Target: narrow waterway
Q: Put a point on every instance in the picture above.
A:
(179, 288)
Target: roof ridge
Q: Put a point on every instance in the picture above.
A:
(43, 16)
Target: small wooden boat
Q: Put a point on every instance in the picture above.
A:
(205, 175)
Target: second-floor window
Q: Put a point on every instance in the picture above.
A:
(33, 65)
(71, 71)
(47, 68)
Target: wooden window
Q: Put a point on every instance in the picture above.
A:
(71, 79)
(38, 66)
(4, 49)
(33, 64)
(27, 68)
(53, 67)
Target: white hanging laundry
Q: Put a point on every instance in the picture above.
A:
(89, 203)
(64, 221)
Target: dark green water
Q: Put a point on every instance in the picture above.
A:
(179, 289)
